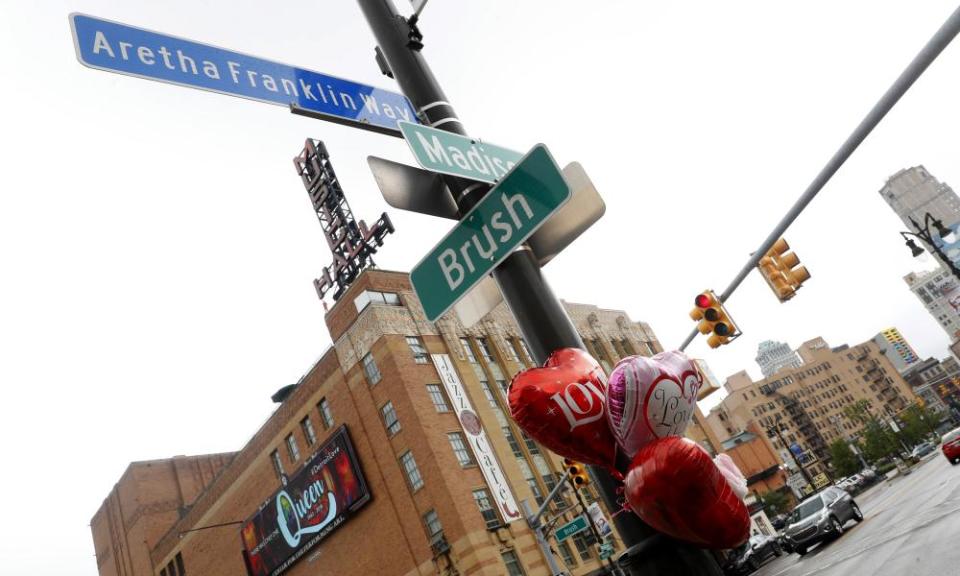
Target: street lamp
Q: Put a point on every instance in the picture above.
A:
(775, 431)
(923, 233)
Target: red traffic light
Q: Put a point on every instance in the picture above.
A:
(703, 301)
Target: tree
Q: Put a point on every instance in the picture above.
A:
(877, 441)
(844, 460)
(918, 423)
(775, 502)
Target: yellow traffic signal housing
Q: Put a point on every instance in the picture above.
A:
(577, 472)
(713, 319)
(782, 271)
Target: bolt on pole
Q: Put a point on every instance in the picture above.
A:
(940, 40)
(539, 314)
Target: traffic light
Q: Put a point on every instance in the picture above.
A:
(713, 319)
(577, 473)
(782, 271)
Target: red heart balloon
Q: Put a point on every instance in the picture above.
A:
(562, 406)
(674, 486)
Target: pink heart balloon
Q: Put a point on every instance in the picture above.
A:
(650, 398)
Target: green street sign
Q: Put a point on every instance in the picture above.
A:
(528, 195)
(570, 528)
(449, 153)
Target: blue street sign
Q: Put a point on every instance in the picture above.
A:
(116, 47)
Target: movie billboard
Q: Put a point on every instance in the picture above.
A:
(315, 501)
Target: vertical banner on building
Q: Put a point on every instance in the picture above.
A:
(479, 442)
(599, 520)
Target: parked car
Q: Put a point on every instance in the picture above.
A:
(950, 446)
(820, 517)
(779, 522)
(785, 544)
(869, 475)
(851, 483)
(749, 557)
(922, 449)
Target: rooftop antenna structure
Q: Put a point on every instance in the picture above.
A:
(352, 243)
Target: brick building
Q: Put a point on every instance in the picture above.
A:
(808, 401)
(432, 508)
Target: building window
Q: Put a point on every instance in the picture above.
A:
(368, 297)
(460, 449)
(437, 397)
(307, 426)
(514, 568)
(566, 554)
(485, 351)
(292, 449)
(180, 568)
(371, 370)
(413, 473)
(171, 569)
(434, 528)
(419, 352)
(277, 463)
(325, 413)
(467, 350)
(583, 548)
(390, 418)
(534, 488)
(489, 513)
(531, 445)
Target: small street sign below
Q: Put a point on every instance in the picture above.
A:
(512, 211)
(116, 47)
(570, 528)
(821, 480)
(449, 153)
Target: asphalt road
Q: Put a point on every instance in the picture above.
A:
(911, 527)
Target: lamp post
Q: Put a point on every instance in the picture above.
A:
(924, 233)
(776, 430)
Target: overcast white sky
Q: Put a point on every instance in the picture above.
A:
(158, 247)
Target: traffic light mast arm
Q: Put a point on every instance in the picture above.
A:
(921, 61)
(534, 520)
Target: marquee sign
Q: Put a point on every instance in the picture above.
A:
(477, 437)
(319, 498)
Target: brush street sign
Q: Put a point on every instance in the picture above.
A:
(570, 528)
(513, 210)
(123, 49)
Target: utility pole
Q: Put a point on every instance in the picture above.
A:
(586, 513)
(806, 475)
(540, 316)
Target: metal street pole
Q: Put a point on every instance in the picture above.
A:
(533, 521)
(593, 527)
(803, 471)
(923, 233)
(540, 316)
(917, 66)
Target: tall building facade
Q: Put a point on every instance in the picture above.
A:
(939, 292)
(147, 500)
(772, 356)
(401, 435)
(808, 401)
(913, 192)
(896, 348)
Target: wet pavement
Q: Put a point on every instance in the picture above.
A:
(911, 527)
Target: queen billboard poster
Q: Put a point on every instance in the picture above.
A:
(316, 501)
